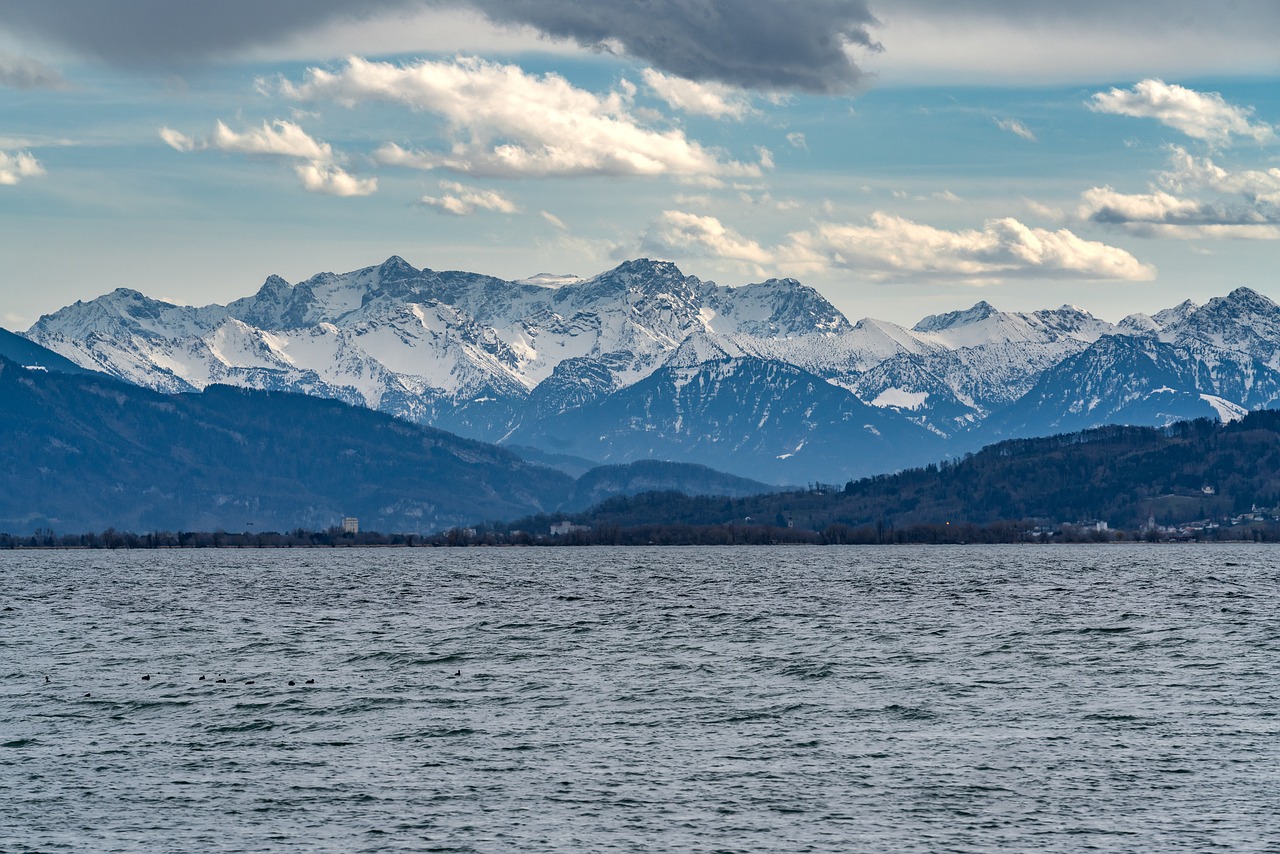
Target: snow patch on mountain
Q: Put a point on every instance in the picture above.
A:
(1227, 411)
(900, 398)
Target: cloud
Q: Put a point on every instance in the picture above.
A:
(889, 247)
(167, 33)
(320, 177)
(321, 172)
(504, 122)
(17, 166)
(23, 72)
(460, 200)
(677, 233)
(797, 140)
(699, 99)
(1203, 116)
(280, 137)
(1041, 41)
(755, 44)
(1187, 172)
(554, 220)
(1015, 127)
(1242, 204)
(752, 44)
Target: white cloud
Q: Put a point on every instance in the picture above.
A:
(1203, 116)
(320, 173)
(1195, 198)
(280, 137)
(889, 247)
(554, 220)
(503, 122)
(797, 140)
(178, 140)
(1187, 172)
(1103, 204)
(681, 233)
(716, 100)
(14, 167)
(1015, 127)
(460, 200)
(327, 178)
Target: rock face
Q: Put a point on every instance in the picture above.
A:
(643, 361)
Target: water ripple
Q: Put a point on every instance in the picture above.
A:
(1050, 699)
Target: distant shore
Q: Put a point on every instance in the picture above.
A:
(647, 535)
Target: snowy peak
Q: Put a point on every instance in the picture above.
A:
(775, 308)
(396, 268)
(641, 276)
(125, 313)
(1173, 316)
(1244, 322)
(1139, 324)
(984, 325)
(980, 311)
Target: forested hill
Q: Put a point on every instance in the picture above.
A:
(83, 453)
(1193, 470)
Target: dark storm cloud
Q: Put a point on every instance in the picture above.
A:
(759, 44)
(756, 44)
(173, 32)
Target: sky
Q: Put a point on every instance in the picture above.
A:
(903, 157)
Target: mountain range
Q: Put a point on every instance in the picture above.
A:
(81, 452)
(767, 380)
(1193, 473)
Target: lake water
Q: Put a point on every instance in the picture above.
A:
(984, 699)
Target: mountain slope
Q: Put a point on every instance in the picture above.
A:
(760, 419)
(87, 452)
(1117, 380)
(1190, 471)
(15, 348)
(82, 453)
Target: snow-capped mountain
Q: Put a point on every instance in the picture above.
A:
(738, 415)
(643, 360)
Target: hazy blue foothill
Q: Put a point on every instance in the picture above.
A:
(84, 453)
(27, 353)
(1198, 473)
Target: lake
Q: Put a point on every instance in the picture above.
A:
(979, 699)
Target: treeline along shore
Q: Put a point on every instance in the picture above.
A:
(641, 535)
(1190, 481)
